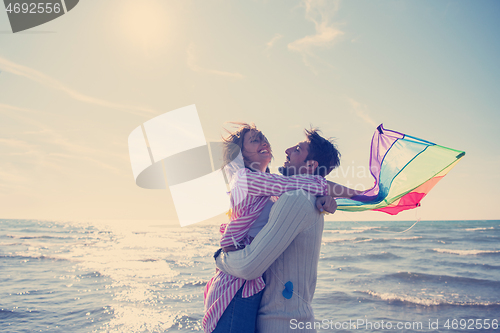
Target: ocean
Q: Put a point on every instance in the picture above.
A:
(124, 276)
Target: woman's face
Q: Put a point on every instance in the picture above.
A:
(256, 150)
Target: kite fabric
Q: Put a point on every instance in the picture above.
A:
(405, 169)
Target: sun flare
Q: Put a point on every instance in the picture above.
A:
(144, 24)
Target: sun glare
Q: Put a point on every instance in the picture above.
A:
(144, 24)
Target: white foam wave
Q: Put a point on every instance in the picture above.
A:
(357, 240)
(390, 297)
(465, 252)
(343, 231)
(25, 257)
(477, 229)
(353, 230)
(338, 240)
(13, 244)
(408, 238)
(390, 239)
(364, 240)
(365, 228)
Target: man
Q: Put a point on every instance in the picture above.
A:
(287, 248)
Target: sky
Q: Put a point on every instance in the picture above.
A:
(73, 89)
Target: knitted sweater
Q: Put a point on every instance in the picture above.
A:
(286, 249)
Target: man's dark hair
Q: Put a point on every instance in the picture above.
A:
(323, 151)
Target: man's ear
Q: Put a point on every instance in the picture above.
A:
(311, 166)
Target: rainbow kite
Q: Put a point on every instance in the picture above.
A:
(405, 169)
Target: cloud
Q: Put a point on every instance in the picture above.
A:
(192, 63)
(34, 75)
(50, 136)
(94, 161)
(326, 34)
(55, 138)
(61, 151)
(16, 143)
(47, 135)
(273, 40)
(19, 114)
(44, 156)
(361, 110)
(52, 147)
(12, 176)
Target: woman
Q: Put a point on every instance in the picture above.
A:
(229, 299)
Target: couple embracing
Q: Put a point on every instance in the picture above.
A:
(268, 261)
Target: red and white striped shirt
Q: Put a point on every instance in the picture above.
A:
(250, 190)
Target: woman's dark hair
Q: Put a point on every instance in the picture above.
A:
(323, 151)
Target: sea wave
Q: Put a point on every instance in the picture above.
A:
(468, 265)
(338, 240)
(412, 277)
(391, 297)
(466, 252)
(13, 244)
(408, 238)
(194, 283)
(361, 257)
(383, 240)
(364, 240)
(477, 229)
(343, 231)
(353, 230)
(365, 228)
(382, 256)
(14, 314)
(39, 237)
(28, 257)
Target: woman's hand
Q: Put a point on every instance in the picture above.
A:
(326, 203)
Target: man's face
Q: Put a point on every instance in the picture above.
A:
(295, 162)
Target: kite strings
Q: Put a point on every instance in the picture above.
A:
(400, 232)
(396, 232)
(417, 218)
